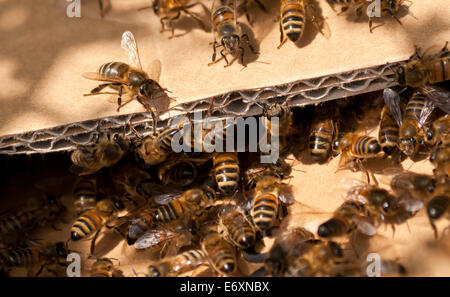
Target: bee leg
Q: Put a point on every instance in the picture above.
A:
(444, 50)
(225, 58)
(435, 230)
(283, 38)
(100, 87)
(247, 41)
(214, 53)
(263, 8)
(343, 9)
(242, 56)
(393, 15)
(331, 5)
(40, 270)
(171, 24)
(161, 20)
(94, 239)
(100, 4)
(247, 15)
(119, 99)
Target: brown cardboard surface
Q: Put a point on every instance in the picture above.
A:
(44, 53)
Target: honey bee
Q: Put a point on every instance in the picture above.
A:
(387, 268)
(104, 267)
(50, 255)
(388, 7)
(439, 206)
(140, 224)
(289, 245)
(440, 158)
(132, 180)
(221, 254)
(226, 171)
(178, 172)
(237, 227)
(388, 134)
(268, 191)
(423, 71)
(36, 213)
(414, 189)
(322, 133)
(318, 260)
(367, 207)
(176, 265)
(170, 10)
(285, 125)
(154, 150)
(293, 18)
(92, 221)
(189, 202)
(439, 132)
(85, 194)
(107, 151)
(355, 148)
(228, 31)
(132, 80)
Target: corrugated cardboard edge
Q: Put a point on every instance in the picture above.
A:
(236, 103)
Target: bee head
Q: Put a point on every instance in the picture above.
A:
(231, 43)
(401, 75)
(146, 88)
(437, 207)
(392, 4)
(408, 145)
(156, 7)
(61, 250)
(121, 141)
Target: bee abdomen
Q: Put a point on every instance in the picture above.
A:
(415, 106)
(17, 222)
(264, 210)
(87, 224)
(243, 235)
(293, 20)
(21, 258)
(222, 15)
(169, 212)
(224, 259)
(114, 69)
(365, 146)
(332, 227)
(439, 70)
(226, 169)
(320, 142)
(85, 195)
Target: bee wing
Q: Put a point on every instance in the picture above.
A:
(392, 101)
(426, 112)
(285, 195)
(101, 77)
(235, 12)
(165, 198)
(129, 44)
(439, 96)
(153, 237)
(154, 70)
(365, 227)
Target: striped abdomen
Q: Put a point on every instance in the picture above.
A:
(415, 106)
(320, 139)
(139, 226)
(170, 211)
(342, 220)
(438, 70)
(292, 18)
(185, 262)
(388, 134)
(226, 170)
(264, 210)
(22, 258)
(365, 147)
(85, 195)
(88, 223)
(114, 70)
(239, 229)
(221, 254)
(18, 223)
(223, 19)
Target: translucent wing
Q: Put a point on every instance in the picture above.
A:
(318, 21)
(154, 70)
(165, 198)
(365, 227)
(130, 46)
(392, 101)
(439, 96)
(426, 112)
(101, 77)
(154, 237)
(286, 195)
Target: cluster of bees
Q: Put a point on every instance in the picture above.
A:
(210, 208)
